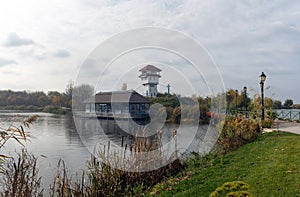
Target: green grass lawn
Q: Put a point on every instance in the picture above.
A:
(271, 165)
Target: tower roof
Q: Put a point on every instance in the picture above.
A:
(151, 68)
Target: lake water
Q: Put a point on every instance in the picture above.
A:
(56, 137)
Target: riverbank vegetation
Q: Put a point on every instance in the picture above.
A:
(269, 165)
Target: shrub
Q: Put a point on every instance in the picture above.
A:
(54, 109)
(237, 132)
(232, 189)
(267, 123)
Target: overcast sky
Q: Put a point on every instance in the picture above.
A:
(43, 43)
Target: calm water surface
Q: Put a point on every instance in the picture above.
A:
(55, 138)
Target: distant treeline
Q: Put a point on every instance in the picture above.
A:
(240, 100)
(51, 102)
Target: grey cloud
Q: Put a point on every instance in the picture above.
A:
(14, 40)
(40, 57)
(4, 62)
(62, 53)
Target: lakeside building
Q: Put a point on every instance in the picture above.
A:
(118, 105)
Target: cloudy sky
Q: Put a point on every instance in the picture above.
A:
(44, 43)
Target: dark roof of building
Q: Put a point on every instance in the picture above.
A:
(118, 97)
(150, 67)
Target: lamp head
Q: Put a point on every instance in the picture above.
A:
(263, 77)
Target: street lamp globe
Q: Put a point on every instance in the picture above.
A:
(263, 77)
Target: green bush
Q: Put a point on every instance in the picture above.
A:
(268, 123)
(232, 189)
(30, 108)
(54, 110)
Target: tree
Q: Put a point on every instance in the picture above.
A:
(15, 100)
(53, 93)
(43, 101)
(233, 99)
(80, 94)
(33, 97)
(55, 97)
(56, 100)
(277, 104)
(288, 104)
(69, 88)
(67, 97)
(245, 100)
(268, 103)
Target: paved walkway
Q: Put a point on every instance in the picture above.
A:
(292, 127)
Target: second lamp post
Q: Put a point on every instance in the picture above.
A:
(262, 82)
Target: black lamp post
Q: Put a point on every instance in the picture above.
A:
(236, 99)
(245, 98)
(262, 82)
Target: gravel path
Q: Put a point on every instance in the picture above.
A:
(292, 127)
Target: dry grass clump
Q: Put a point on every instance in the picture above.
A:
(20, 177)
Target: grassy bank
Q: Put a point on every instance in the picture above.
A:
(270, 165)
